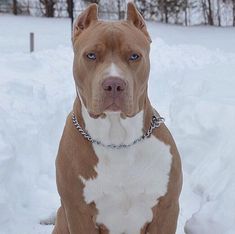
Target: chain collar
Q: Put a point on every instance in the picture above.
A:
(155, 123)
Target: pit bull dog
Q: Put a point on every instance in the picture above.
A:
(118, 170)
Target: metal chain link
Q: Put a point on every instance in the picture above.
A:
(155, 123)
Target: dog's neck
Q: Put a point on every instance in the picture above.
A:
(113, 129)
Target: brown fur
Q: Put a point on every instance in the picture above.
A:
(76, 156)
(112, 42)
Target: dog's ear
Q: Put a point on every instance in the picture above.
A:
(85, 19)
(134, 17)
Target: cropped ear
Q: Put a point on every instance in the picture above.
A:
(85, 19)
(134, 17)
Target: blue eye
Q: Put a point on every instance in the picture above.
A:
(91, 56)
(134, 57)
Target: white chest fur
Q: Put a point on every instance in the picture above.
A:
(130, 180)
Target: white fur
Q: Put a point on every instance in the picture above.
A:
(114, 71)
(129, 181)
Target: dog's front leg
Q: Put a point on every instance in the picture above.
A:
(75, 216)
(70, 220)
(80, 222)
(165, 219)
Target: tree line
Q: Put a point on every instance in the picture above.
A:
(63, 8)
(189, 12)
(185, 12)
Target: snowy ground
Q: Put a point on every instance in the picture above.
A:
(192, 84)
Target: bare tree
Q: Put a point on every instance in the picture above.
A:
(166, 12)
(171, 11)
(120, 15)
(218, 13)
(70, 8)
(233, 1)
(15, 7)
(210, 13)
(164, 8)
(49, 7)
(204, 11)
(185, 8)
(207, 12)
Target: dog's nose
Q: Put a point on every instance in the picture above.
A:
(114, 86)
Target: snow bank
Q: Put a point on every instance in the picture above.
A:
(192, 85)
(32, 112)
(36, 92)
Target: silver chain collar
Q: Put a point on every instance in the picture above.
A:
(155, 123)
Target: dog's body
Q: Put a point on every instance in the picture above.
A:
(130, 190)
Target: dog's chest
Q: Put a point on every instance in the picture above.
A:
(129, 181)
(128, 184)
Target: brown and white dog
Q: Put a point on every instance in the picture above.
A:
(129, 190)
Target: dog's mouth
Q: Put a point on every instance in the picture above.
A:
(113, 107)
(104, 106)
(113, 104)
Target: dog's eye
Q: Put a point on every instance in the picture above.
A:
(91, 56)
(134, 57)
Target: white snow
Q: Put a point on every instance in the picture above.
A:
(192, 84)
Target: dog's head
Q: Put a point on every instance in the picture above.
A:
(111, 62)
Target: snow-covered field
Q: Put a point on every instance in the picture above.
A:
(192, 84)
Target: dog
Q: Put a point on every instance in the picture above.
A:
(118, 169)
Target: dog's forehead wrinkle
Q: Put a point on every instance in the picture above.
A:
(115, 29)
(113, 37)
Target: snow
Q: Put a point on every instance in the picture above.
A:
(192, 84)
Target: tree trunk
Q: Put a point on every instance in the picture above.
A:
(186, 13)
(166, 13)
(210, 13)
(119, 9)
(70, 8)
(218, 13)
(15, 10)
(204, 12)
(234, 13)
(49, 7)
(185, 18)
(160, 6)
